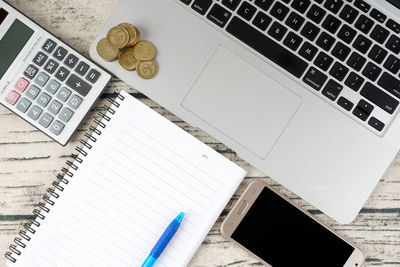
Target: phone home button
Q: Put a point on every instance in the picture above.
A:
(242, 207)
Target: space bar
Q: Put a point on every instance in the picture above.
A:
(267, 47)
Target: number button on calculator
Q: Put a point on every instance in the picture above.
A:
(23, 105)
(34, 113)
(41, 79)
(52, 87)
(32, 92)
(43, 100)
(45, 120)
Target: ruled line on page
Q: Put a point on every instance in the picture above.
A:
(69, 250)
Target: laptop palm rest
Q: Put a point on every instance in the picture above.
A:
(241, 102)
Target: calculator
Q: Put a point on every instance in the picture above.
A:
(42, 79)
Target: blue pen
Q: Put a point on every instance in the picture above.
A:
(162, 243)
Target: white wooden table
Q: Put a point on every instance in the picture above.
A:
(29, 161)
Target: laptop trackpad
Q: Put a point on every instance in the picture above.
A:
(242, 102)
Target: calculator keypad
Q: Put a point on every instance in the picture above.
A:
(32, 92)
(41, 79)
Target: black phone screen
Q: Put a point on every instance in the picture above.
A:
(283, 236)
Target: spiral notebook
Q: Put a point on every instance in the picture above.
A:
(133, 176)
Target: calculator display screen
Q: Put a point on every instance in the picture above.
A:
(12, 43)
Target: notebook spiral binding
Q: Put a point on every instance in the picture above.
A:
(53, 193)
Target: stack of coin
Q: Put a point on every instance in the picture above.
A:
(123, 44)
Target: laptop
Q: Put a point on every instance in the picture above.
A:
(307, 91)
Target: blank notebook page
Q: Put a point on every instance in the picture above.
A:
(140, 173)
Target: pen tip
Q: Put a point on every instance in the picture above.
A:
(180, 217)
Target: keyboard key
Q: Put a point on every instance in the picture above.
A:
(246, 11)
(377, 124)
(362, 44)
(393, 25)
(93, 76)
(294, 21)
(35, 112)
(325, 41)
(392, 64)
(338, 71)
(379, 34)
(78, 85)
(316, 14)
(21, 85)
(218, 15)
(364, 24)
(82, 68)
(23, 105)
(347, 34)
(40, 59)
(262, 21)
(62, 74)
(63, 94)
(60, 53)
(54, 107)
(66, 114)
(71, 61)
(32, 92)
(52, 87)
(41, 79)
(315, 78)
(12, 97)
(331, 24)
(233, 4)
(332, 90)
(51, 66)
(390, 84)
(393, 44)
(301, 5)
(292, 41)
(379, 98)
(379, 16)
(31, 72)
(344, 103)
(310, 31)
(341, 51)
(308, 51)
(323, 61)
(75, 101)
(356, 61)
(333, 5)
(202, 6)
(279, 10)
(267, 47)
(371, 71)
(349, 14)
(277, 31)
(377, 54)
(359, 113)
(57, 127)
(45, 120)
(365, 106)
(264, 4)
(49, 46)
(43, 100)
(363, 6)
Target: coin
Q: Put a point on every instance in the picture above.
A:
(106, 51)
(147, 69)
(134, 34)
(144, 51)
(127, 60)
(118, 37)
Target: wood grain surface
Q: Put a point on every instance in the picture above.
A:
(29, 161)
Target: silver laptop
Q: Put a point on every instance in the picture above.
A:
(305, 90)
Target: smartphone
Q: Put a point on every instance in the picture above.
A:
(280, 234)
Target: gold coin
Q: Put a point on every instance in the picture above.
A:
(147, 69)
(106, 51)
(134, 34)
(144, 51)
(118, 37)
(127, 60)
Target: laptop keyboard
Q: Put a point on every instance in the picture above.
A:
(344, 50)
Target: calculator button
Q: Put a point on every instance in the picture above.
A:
(45, 120)
(71, 61)
(41, 79)
(31, 71)
(66, 114)
(32, 92)
(75, 102)
(21, 84)
(23, 105)
(57, 127)
(60, 53)
(34, 112)
(63, 94)
(52, 87)
(40, 59)
(82, 68)
(55, 107)
(93, 76)
(62, 74)
(43, 100)
(78, 85)
(12, 97)
(49, 46)
(51, 66)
